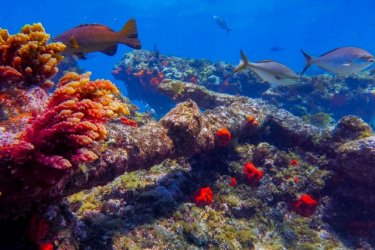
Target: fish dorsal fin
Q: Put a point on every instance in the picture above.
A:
(73, 43)
(265, 61)
(330, 51)
(93, 25)
(110, 51)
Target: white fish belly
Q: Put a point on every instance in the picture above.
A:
(273, 78)
(344, 68)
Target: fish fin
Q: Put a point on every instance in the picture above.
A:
(129, 34)
(244, 62)
(81, 56)
(309, 61)
(330, 51)
(73, 43)
(110, 51)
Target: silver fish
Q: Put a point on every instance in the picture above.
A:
(269, 71)
(343, 61)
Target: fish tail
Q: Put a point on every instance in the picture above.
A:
(129, 34)
(309, 61)
(244, 62)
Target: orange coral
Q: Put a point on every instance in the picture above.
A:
(251, 120)
(223, 137)
(27, 57)
(128, 122)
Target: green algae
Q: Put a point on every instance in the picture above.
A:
(319, 119)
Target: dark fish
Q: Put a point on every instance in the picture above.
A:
(222, 24)
(343, 61)
(277, 49)
(88, 38)
(269, 71)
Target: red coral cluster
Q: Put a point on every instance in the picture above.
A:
(128, 122)
(294, 162)
(38, 231)
(146, 77)
(203, 196)
(223, 137)
(233, 182)
(252, 174)
(305, 205)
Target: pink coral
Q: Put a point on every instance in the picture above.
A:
(74, 118)
(58, 139)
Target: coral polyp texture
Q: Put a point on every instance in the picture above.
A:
(62, 136)
(74, 118)
(27, 58)
(27, 61)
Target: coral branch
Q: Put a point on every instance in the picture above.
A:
(27, 57)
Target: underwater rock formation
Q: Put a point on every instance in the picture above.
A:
(142, 71)
(318, 99)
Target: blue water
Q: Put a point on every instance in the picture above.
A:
(187, 28)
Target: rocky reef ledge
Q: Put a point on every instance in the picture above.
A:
(184, 153)
(320, 100)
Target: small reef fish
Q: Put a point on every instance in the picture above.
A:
(269, 71)
(343, 61)
(222, 24)
(88, 38)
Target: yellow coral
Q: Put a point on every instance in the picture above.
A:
(29, 54)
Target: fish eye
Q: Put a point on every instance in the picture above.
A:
(366, 58)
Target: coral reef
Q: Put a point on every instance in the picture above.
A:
(60, 137)
(320, 99)
(142, 71)
(27, 62)
(156, 208)
(26, 58)
(80, 175)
